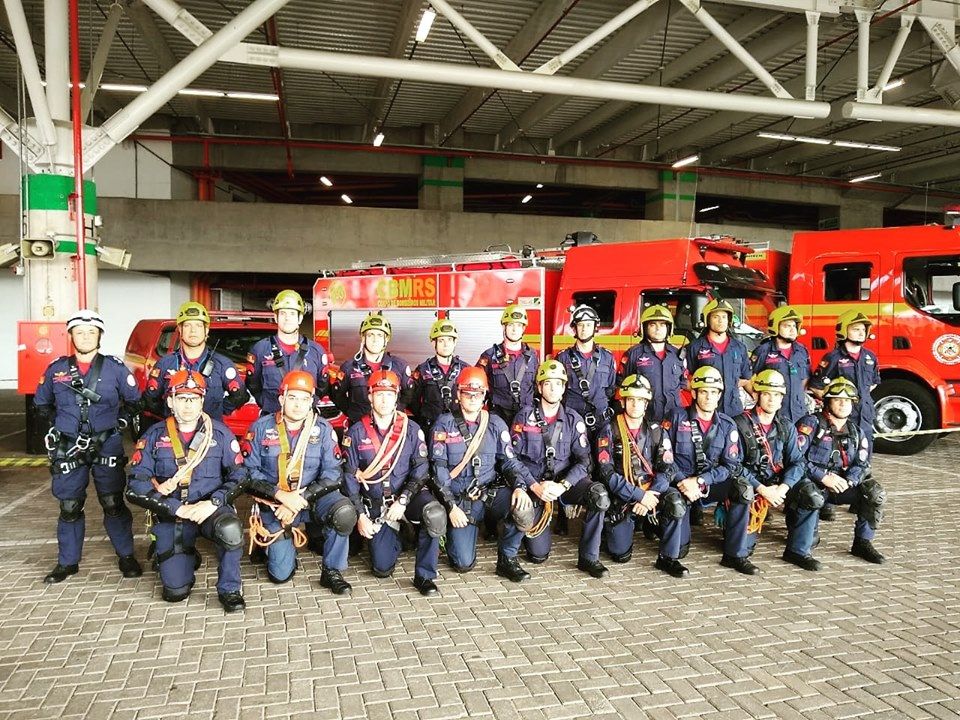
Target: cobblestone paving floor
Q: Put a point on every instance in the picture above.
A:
(854, 640)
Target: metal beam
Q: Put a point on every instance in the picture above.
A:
(31, 73)
(99, 62)
(767, 46)
(148, 28)
(627, 39)
(478, 38)
(56, 57)
(520, 46)
(409, 14)
(119, 126)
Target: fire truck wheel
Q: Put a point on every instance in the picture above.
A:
(904, 405)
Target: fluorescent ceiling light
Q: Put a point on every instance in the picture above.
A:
(120, 87)
(865, 146)
(378, 140)
(708, 209)
(326, 181)
(793, 138)
(526, 199)
(202, 93)
(894, 84)
(863, 178)
(426, 22)
(346, 198)
(253, 96)
(539, 186)
(686, 161)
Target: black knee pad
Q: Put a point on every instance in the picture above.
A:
(463, 568)
(277, 581)
(597, 498)
(808, 496)
(228, 532)
(342, 517)
(537, 559)
(622, 557)
(112, 504)
(72, 510)
(524, 519)
(684, 549)
(871, 501)
(434, 519)
(741, 491)
(178, 595)
(672, 506)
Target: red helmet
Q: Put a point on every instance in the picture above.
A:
(187, 382)
(298, 380)
(383, 380)
(472, 379)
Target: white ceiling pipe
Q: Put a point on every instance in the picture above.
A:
(813, 28)
(99, 62)
(863, 52)
(56, 61)
(608, 28)
(31, 71)
(906, 22)
(181, 19)
(450, 74)
(942, 33)
(731, 43)
(461, 24)
(120, 125)
(10, 133)
(900, 114)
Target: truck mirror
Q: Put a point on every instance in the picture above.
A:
(956, 296)
(865, 288)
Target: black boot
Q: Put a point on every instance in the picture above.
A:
(60, 573)
(129, 567)
(333, 580)
(807, 562)
(509, 568)
(696, 514)
(828, 512)
(594, 568)
(426, 586)
(672, 567)
(865, 549)
(740, 564)
(232, 601)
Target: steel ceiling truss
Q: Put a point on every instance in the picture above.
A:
(937, 17)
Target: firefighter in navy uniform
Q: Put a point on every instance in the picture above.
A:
(386, 474)
(770, 454)
(592, 372)
(551, 441)
(226, 390)
(435, 379)
(295, 468)
(187, 471)
(781, 352)
(270, 359)
(635, 461)
(349, 390)
(511, 366)
(706, 452)
(658, 361)
(88, 397)
(718, 349)
(474, 466)
(838, 461)
(851, 360)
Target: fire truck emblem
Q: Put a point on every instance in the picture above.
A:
(946, 349)
(338, 293)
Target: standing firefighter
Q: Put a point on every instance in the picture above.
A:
(838, 461)
(475, 467)
(88, 398)
(187, 471)
(551, 441)
(782, 353)
(591, 370)
(718, 349)
(387, 471)
(636, 464)
(658, 361)
(435, 379)
(707, 458)
(270, 359)
(511, 366)
(294, 462)
(350, 390)
(770, 455)
(225, 387)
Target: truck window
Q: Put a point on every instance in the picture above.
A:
(928, 284)
(685, 307)
(848, 282)
(603, 301)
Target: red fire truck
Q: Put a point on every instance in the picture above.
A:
(907, 280)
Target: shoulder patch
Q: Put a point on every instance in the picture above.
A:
(130, 381)
(518, 428)
(604, 442)
(666, 424)
(805, 429)
(230, 373)
(439, 436)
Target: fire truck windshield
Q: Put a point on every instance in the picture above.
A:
(932, 286)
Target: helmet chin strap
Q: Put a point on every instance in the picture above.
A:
(858, 343)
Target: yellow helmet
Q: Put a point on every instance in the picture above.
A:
(514, 313)
(841, 388)
(848, 318)
(716, 305)
(443, 328)
(769, 381)
(636, 386)
(706, 376)
(376, 321)
(289, 300)
(192, 310)
(551, 370)
(782, 314)
(657, 312)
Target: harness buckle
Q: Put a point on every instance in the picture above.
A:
(590, 420)
(51, 439)
(550, 453)
(476, 462)
(82, 443)
(109, 461)
(515, 388)
(584, 386)
(446, 392)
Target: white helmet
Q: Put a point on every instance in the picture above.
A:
(85, 317)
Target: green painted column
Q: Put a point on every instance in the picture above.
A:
(675, 199)
(441, 183)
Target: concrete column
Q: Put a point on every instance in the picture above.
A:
(441, 183)
(860, 214)
(674, 199)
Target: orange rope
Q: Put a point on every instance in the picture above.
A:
(261, 537)
(758, 513)
(543, 523)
